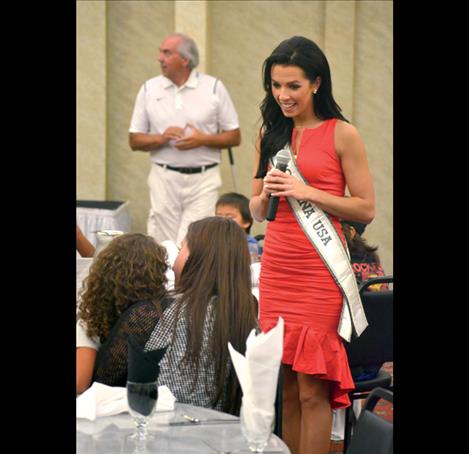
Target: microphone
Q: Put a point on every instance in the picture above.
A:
(283, 158)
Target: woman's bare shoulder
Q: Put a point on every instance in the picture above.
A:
(346, 130)
(346, 136)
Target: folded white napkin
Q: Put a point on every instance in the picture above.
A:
(255, 271)
(257, 372)
(173, 252)
(102, 400)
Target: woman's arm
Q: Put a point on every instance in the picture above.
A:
(86, 358)
(260, 193)
(360, 205)
(84, 247)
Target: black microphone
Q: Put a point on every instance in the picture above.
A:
(283, 158)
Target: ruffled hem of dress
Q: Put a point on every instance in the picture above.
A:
(317, 353)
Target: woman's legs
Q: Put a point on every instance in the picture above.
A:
(291, 414)
(307, 415)
(316, 415)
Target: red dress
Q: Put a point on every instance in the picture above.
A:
(294, 282)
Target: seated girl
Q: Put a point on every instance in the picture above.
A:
(214, 305)
(129, 272)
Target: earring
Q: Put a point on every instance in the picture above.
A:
(315, 91)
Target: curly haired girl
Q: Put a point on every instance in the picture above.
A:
(129, 270)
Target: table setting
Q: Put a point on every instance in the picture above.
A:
(144, 418)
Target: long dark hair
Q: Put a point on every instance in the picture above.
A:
(276, 129)
(218, 271)
(358, 246)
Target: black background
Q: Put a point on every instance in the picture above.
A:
(39, 194)
(38, 87)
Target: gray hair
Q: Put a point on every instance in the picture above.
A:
(187, 49)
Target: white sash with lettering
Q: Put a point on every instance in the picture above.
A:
(322, 234)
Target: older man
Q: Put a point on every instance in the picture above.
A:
(183, 118)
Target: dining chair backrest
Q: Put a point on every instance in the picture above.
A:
(137, 321)
(375, 345)
(373, 434)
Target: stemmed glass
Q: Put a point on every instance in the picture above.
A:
(141, 398)
(256, 426)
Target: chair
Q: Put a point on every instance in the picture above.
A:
(137, 321)
(372, 434)
(374, 346)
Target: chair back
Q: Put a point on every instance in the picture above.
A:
(375, 344)
(137, 321)
(372, 434)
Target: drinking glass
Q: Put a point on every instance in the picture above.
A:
(141, 398)
(254, 252)
(256, 426)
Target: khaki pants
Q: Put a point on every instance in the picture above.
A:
(177, 199)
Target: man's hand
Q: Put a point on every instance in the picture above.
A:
(196, 139)
(172, 133)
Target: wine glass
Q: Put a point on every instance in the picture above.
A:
(257, 426)
(141, 398)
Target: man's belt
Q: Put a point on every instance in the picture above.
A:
(188, 169)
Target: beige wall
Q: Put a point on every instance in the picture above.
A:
(91, 100)
(135, 30)
(373, 110)
(243, 34)
(117, 46)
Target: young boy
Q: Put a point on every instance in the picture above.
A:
(236, 206)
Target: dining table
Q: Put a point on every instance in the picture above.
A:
(185, 430)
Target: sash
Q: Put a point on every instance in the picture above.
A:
(323, 236)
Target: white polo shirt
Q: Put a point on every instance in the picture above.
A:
(202, 101)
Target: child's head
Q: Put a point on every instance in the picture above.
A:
(131, 268)
(356, 243)
(235, 206)
(355, 227)
(214, 248)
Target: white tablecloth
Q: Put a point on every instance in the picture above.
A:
(83, 266)
(106, 435)
(91, 219)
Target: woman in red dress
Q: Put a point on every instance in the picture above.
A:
(299, 110)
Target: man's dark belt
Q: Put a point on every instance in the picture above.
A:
(188, 169)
